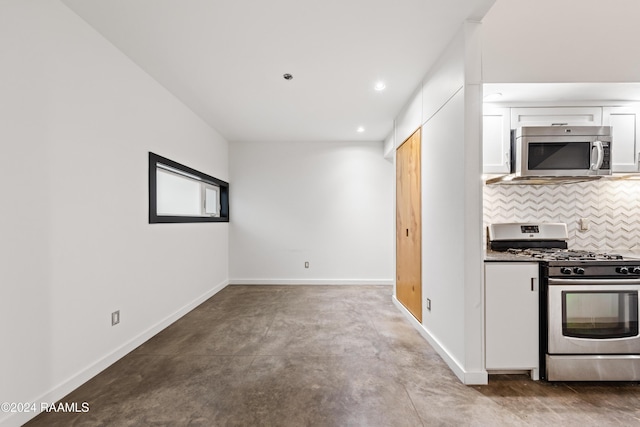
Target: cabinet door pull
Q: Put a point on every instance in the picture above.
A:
(533, 284)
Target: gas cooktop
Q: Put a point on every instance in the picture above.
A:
(554, 254)
(547, 242)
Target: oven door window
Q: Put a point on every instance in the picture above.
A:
(600, 314)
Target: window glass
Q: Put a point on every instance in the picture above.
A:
(177, 195)
(211, 200)
(600, 314)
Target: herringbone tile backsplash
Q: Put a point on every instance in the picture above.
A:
(611, 206)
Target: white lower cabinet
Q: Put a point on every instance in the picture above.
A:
(511, 317)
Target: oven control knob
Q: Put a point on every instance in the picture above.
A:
(635, 270)
(578, 270)
(622, 270)
(565, 270)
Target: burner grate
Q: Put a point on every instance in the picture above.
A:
(550, 254)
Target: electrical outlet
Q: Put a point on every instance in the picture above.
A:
(429, 304)
(306, 264)
(115, 318)
(584, 224)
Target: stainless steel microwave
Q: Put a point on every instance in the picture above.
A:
(562, 151)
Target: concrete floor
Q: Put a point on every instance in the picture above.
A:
(319, 356)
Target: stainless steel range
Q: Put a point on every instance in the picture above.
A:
(589, 304)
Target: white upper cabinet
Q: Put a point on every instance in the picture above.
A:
(558, 116)
(499, 121)
(568, 104)
(496, 140)
(624, 148)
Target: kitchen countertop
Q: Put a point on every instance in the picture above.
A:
(627, 253)
(499, 256)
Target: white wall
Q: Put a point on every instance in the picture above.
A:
(451, 108)
(409, 119)
(326, 203)
(389, 146)
(533, 41)
(442, 226)
(78, 121)
(472, 241)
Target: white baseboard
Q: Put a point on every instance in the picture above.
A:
(309, 282)
(67, 386)
(476, 378)
(465, 377)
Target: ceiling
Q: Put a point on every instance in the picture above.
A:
(226, 59)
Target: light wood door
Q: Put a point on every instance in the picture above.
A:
(408, 226)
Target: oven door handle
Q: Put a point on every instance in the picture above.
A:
(595, 282)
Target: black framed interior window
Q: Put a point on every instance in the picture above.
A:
(178, 193)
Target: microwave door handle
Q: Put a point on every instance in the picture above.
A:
(599, 150)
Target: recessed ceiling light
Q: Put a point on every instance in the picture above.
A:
(379, 86)
(360, 129)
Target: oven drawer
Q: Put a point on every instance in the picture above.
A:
(593, 317)
(593, 368)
